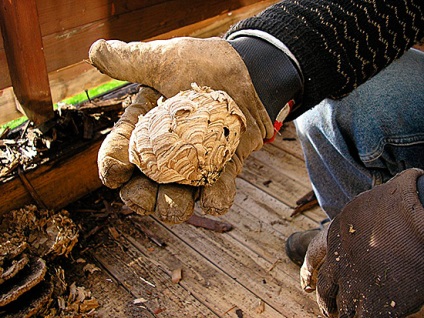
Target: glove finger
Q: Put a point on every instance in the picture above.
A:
(315, 257)
(113, 158)
(113, 161)
(218, 198)
(139, 194)
(138, 62)
(175, 202)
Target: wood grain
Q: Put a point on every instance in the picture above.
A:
(25, 58)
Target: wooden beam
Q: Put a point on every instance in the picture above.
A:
(56, 183)
(25, 58)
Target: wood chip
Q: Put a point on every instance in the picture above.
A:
(308, 201)
(114, 233)
(261, 308)
(177, 275)
(140, 300)
(88, 304)
(209, 224)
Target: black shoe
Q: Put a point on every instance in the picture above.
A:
(298, 242)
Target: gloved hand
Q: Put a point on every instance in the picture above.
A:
(171, 66)
(374, 265)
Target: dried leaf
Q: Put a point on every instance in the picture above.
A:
(61, 303)
(72, 292)
(91, 268)
(88, 305)
(81, 294)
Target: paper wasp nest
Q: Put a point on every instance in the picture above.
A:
(188, 138)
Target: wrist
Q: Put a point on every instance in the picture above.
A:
(276, 79)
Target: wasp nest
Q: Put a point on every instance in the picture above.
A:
(188, 138)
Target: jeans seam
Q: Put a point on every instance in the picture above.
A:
(394, 141)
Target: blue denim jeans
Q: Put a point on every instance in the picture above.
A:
(368, 137)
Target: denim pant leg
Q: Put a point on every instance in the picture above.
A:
(367, 137)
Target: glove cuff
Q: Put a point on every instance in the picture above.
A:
(276, 79)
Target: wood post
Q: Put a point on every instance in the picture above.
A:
(25, 58)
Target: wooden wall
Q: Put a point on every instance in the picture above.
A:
(68, 27)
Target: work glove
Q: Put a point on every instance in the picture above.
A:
(170, 66)
(373, 265)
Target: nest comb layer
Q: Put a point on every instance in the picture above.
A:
(188, 138)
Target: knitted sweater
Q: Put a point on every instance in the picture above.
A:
(339, 44)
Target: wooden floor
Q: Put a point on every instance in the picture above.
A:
(241, 273)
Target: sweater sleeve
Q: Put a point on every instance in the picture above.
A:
(339, 44)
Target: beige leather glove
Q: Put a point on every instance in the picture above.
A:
(170, 66)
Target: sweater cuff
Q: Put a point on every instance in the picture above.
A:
(275, 77)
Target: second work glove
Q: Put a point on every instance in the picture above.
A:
(371, 262)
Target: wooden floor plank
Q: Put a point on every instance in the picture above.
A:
(281, 175)
(114, 299)
(269, 209)
(241, 273)
(268, 179)
(264, 231)
(284, 163)
(250, 269)
(149, 283)
(288, 141)
(221, 292)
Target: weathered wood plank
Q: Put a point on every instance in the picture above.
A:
(8, 109)
(71, 45)
(272, 180)
(75, 79)
(25, 58)
(288, 141)
(114, 300)
(146, 280)
(69, 14)
(71, 178)
(218, 25)
(276, 287)
(285, 163)
(268, 209)
(268, 169)
(203, 278)
(5, 80)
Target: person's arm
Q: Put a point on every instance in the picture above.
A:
(337, 45)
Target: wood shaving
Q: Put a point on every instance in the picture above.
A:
(177, 275)
(91, 268)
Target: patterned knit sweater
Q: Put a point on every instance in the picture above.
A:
(339, 44)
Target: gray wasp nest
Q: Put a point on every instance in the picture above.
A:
(188, 138)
